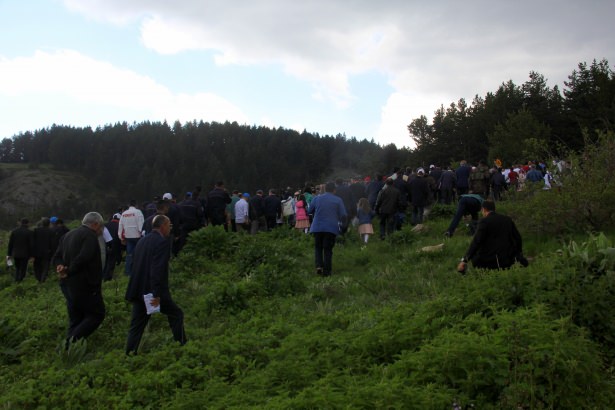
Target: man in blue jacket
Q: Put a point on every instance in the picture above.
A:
(329, 214)
(151, 275)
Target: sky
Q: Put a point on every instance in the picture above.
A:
(362, 68)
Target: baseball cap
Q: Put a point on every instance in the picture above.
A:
(167, 196)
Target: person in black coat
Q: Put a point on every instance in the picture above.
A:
(151, 275)
(114, 248)
(272, 206)
(20, 246)
(257, 213)
(217, 200)
(497, 243)
(388, 204)
(343, 191)
(43, 249)
(419, 196)
(79, 267)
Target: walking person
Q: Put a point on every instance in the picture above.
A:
(301, 215)
(42, 249)
(19, 249)
(242, 214)
(151, 275)
(365, 214)
(79, 266)
(130, 229)
(329, 215)
(419, 195)
(388, 203)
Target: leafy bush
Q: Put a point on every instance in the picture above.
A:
(511, 359)
(442, 211)
(11, 342)
(586, 286)
(212, 242)
(583, 198)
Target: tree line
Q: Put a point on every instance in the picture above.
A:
(514, 123)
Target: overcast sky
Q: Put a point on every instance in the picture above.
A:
(362, 68)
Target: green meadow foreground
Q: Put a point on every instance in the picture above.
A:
(393, 327)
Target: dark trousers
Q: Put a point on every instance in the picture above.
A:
(497, 192)
(21, 266)
(495, 263)
(243, 227)
(446, 195)
(417, 214)
(258, 225)
(110, 262)
(217, 218)
(41, 268)
(86, 310)
(140, 318)
(387, 224)
(466, 206)
(271, 221)
(323, 251)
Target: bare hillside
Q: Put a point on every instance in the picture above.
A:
(42, 191)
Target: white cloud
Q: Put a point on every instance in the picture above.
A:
(399, 111)
(433, 53)
(56, 85)
(443, 47)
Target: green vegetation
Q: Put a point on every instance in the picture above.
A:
(393, 327)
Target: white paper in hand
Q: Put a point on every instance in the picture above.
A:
(148, 300)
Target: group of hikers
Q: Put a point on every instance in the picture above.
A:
(152, 233)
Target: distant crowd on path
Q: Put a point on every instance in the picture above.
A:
(392, 198)
(87, 255)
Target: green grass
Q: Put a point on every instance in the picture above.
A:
(393, 327)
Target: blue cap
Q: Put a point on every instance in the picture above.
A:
(188, 193)
(53, 219)
(246, 195)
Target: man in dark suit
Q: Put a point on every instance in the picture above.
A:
(150, 274)
(496, 244)
(20, 246)
(79, 267)
(42, 249)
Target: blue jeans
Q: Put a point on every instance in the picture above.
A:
(131, 243)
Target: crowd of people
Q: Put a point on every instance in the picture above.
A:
(150, 234)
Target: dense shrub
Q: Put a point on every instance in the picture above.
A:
(584, 281)
(582, 197)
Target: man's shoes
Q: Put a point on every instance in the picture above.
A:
(319, 271)
(447, 234)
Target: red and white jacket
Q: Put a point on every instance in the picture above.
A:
(131, 224)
